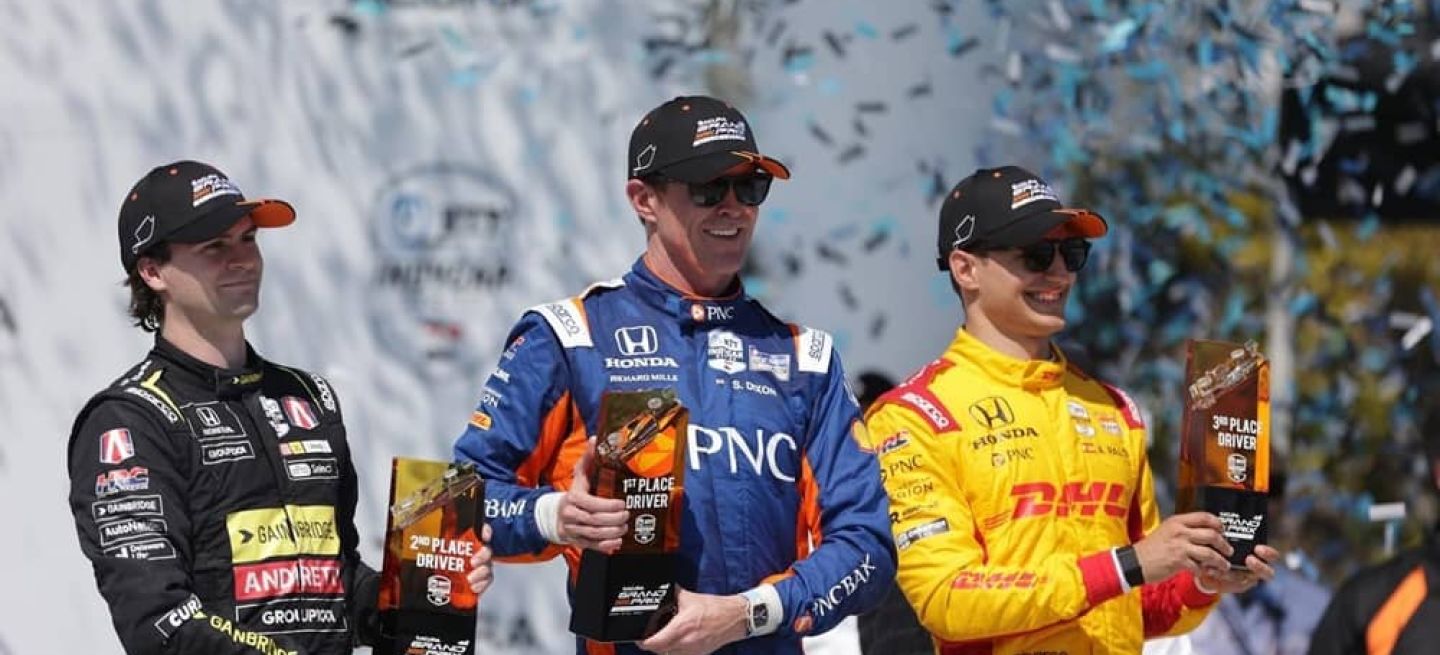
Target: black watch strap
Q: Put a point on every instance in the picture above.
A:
(1130, 566)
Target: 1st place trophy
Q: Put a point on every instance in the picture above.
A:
(1225, 441)
(631, 594)
(433, 529)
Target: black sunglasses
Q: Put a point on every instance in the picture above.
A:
(1038, 256)
(749, 189)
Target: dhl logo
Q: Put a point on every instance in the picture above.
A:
(1078, 498)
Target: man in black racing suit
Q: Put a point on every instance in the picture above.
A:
(213, 491)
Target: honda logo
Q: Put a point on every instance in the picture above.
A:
(637, 340)
(208, 416)
(992, 412)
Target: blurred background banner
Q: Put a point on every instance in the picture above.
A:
(1268, 170)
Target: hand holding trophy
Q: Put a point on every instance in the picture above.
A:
(629, 593)
(1225, 441)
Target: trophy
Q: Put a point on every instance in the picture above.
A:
(432, 531)
(629, 595)
(1225, 440)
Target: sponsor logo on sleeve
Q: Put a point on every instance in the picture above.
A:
(327, 397)
(226, 451)
(923, 531)
(109, 483)
(481, 420)
(274, 416)
(846, 587)
(893, 442)
(150, 549)
(176, 617)
(116, 446)
(113, 532)
(299, 412)
(155, 402)
(131, 506)
(318, 468)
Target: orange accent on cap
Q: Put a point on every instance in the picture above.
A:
(174, 171)
(955, 195)
(134, 196)
(684, 107)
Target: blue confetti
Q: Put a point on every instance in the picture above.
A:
(866, 30)
(1117, 38)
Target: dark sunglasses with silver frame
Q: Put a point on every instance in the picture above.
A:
(1039, 256)
(749, 189)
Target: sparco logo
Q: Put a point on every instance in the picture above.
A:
(992, 412)
(637, 340)
(935, 415)
(566, 318)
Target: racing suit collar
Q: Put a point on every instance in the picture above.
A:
(690, 309)
(227, 383)
(1028, 374)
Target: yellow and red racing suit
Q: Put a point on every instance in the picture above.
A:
(1011, 482)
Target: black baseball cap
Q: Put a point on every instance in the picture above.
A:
(188, 202)
(1007, 207)
(695, 139)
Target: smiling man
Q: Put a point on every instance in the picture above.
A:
(1022, 503)
(783, 528)
(213, 490)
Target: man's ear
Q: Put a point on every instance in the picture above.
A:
(149, 271)
(643, 199)
(963, 267)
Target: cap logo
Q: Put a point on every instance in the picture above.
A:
(720, 128)
(964, 230)
(143, 233)
(1025, 192)
(210, 186)
(644, 159)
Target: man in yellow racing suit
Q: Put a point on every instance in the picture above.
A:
(1021, 501)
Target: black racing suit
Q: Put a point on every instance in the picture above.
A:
(1392, 607)
(217, 508)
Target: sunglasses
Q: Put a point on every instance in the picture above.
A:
(749, 189)
(1039, 256)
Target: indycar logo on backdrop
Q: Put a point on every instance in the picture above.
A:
(443, 240)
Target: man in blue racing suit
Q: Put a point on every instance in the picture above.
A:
(784, 529)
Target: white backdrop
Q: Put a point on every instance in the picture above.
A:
(452, 162)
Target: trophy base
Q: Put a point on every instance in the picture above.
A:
(623, 598)
(1243, 513)
(427, 633)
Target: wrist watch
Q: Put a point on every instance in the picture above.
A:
(1130, 566)
(762, 615)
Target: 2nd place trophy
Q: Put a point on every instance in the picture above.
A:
(433, 530)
